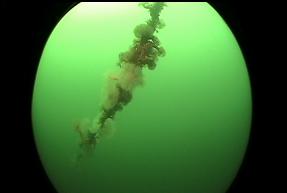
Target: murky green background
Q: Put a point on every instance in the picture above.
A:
(186, 129)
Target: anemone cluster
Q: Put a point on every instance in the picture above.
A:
(146, 47)
(143, 53)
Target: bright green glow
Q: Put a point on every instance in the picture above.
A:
(185, 131)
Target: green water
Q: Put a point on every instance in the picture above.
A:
(186, 129)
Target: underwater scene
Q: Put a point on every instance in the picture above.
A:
(141, 98)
